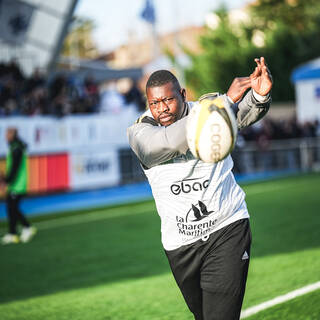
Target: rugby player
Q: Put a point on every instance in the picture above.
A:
(205, 227)
(16, 181)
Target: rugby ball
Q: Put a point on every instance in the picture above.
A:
(211, 128)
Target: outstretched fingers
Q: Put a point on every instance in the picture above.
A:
(265, 70)
(258, 62)
(255, 73)
(263, 64)
(263, 67)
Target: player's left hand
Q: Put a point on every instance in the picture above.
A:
(261, 79)
(238, 88)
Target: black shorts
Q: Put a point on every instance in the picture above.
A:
(212, 274)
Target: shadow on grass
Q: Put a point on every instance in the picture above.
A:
(129, 247)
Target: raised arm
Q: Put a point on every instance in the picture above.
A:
(154, 143)
(256, 102)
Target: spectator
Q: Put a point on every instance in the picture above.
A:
(135, 97)
(263, 141)
(317, 128)
(37, 80)
(111, 100)
(62, 96)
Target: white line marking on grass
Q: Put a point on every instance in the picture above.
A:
(280, 299)
(90, 217)
(70, 221)
(253, 189)
(258, 190)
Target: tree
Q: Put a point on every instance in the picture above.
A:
(298, 15)
(227, 53)
(292, 29)
(79, 42)
(290, 33)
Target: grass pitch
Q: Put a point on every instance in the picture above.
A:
(109, 263)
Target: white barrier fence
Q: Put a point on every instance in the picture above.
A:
(292, 155)
(91, 142)
(49, 134)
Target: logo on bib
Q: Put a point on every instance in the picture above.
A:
(188, 185)
(197, 212)
(192, 226)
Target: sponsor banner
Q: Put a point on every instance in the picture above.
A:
(41, 134)
(92, 167)
(52, 135)
(74, 152)
(307, 100)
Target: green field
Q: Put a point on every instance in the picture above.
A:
(109, 263)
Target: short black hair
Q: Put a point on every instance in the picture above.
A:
(162, 77)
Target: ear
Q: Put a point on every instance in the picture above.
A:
(183, 94)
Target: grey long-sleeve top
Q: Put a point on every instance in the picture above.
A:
(154, 144)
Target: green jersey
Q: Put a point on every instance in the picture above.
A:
(16, 167)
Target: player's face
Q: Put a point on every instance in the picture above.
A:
(10, 134)
(166, 103)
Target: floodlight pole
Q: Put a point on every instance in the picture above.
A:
(63, 32)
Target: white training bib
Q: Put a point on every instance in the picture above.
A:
(194, 198)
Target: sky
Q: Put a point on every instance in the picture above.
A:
(117, 21)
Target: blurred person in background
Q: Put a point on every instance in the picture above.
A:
(91, 90)
(16, 182)
(58, 95)
(36, 80)
(135, 97)
(263, 140)
(112, 101)
(11, 85)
